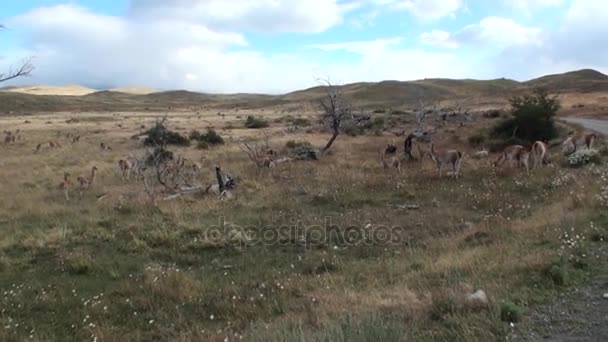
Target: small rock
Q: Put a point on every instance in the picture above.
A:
(477, 300)
(605, 296)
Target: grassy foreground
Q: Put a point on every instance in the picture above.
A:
(312, 251)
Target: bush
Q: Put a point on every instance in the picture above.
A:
(531, 118)
(350, 128)
(583, 157)
(160, 135)
(210, 138)
(510, 312)
(291, 144)
(379, 111)
(300, 122)
(377, 124)
(253, 122)
(159, 156)
(194, 135)
(202, 145)
(477, 139)
(557, 274)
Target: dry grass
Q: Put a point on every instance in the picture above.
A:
(121, 268)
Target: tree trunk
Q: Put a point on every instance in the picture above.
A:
(330, 142)
(220, 179)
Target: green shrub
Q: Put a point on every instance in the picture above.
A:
(531, 118)
(202, 145)
(350, 128)
(300, 122)
(557, 274)
(194, 135)
(160, 135)
(211, 137)
(477, 139)
(377, 124)
(510, 312)
(159, 156)
(253, 122)
(291, 144)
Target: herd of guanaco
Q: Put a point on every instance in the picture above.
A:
(520, 156)
(527, 157)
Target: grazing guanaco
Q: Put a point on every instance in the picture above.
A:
(389, 159)
(576, 140)
(446, 157)
(540, 154)
(266, 159)
(9, 138)
(53, 144)
(65, 185)
(514, 154)
(125, 166)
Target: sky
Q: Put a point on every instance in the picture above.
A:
(277, 46)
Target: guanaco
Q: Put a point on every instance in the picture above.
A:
(389, 159)
(85, 182)
(446, 157)
(540, 154)
(65, 185)
(515, 155)
(125, 168)
(576, 140)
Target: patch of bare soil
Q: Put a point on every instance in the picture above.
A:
(578, 315)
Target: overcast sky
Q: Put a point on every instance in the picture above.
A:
(276, 46)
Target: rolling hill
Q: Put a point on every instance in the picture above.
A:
(365, 95)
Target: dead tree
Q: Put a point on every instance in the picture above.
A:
(25, 68)
(335, 108)
(422, 111)
(259, 153)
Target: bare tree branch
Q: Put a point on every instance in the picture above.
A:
(335, 108)
(25, 69)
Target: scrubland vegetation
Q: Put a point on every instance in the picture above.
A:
(334, 249)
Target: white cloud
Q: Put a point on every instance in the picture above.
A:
(259, 15)
(75, 45)
(360, 47)
(426, 9)
(527, 6)
(491, 32)
(439, 38)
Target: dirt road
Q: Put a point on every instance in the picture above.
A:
(600, 126)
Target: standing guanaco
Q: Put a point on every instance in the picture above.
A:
(85, 182)
(446, 157)
(389, 159)
(125, 166)
(576, 140)
(540, 154)
(65, 185)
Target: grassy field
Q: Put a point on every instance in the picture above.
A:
(308, 251)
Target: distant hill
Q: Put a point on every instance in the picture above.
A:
(364, 95)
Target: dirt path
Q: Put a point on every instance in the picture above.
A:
(600, 126)
(578, 315)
